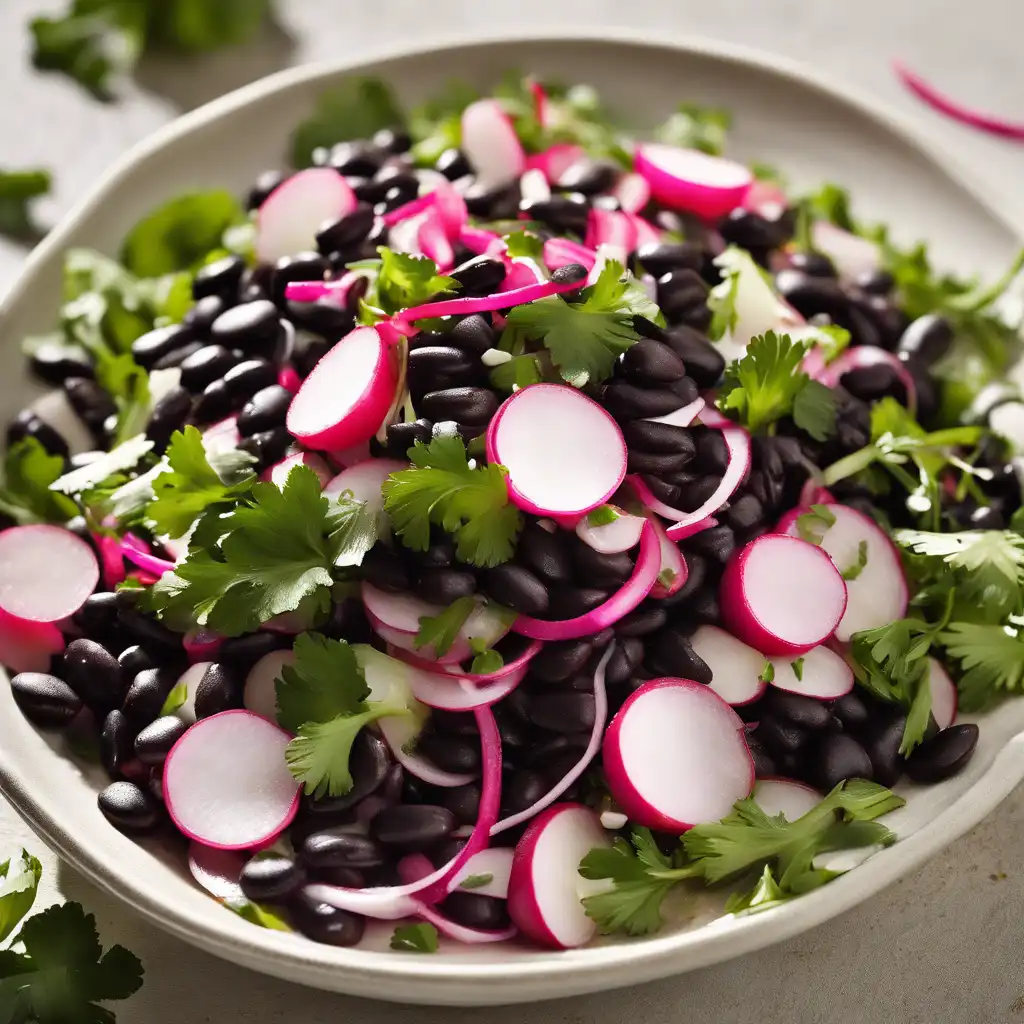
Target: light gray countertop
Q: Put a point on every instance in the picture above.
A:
(941, 947)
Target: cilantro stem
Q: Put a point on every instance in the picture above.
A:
(979, 299)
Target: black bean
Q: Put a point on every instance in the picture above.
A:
(850, 711)
(872, 383)
(753, 232)
(545, 555)
(54, 362)
(449, 752)
(44, 699)
(270, 877)
(926, 340)
(797, 709)
(661, 258)
(473, 333)
(597, 569)
(146, 695)
(695, 492)
(465, 405)
(836, 758)
(345, 231)
(452, 164)
(646, 619)
(244, 651)
(463, 802)
(682, 294)
(944, 755)
(168, 415)
(717, 543)
(28, 424)
(672, 654)
(647, 462)
(320, 317)
(454, 723)
(814, 264)
(876, 282)
(385, 568)
(320, 922)
(152, 346)
(174, 359)
(484, 913)
(117, 743)
(629, 402)
(569, 274)
(267, 447)
(402, 437)
(94, 674)
(412, 827)
(200, 318)
(341, 849)
(301, 266)
(264, 411)
(129, 808)
(811, 295)
(566, 212)
(220, 689)
(245, 379)
(263, 186)
(560, 660)
(443, 586)
(133, 660)
(154, 742)
(480, 275)
(556, 767)
(743, 513)
(884, 751)
(206, 365)
(563, 711)
(359, 158)
(392, 140)
(780, 736)
(98, 616)
(148, 631)
(517, 588)
(660, 438)
(685, 389)
(521, 790)
(253, 326)
(764, 765)
(439, 555)
(588, 177)
(712, 452)
(92, 404)
(569, 602)
(626, 658)
(348, 878)
(650, 361)
(433, 367)
(219, 278)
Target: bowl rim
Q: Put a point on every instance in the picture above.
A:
(544, 973)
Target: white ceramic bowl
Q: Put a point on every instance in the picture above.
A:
(784, 115)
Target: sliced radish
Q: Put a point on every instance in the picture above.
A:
(944, 695)
(471, 678)
(290, 217)
(522, 272)
(201, 644)
(218, 871)
(850, 254)
(478, 240)
(785, 796)
(736, 669)
(491, 145)
(687, 179)
(622, 602)
(610, 228)
(674, 571)
(222, 436)
(495, 861)
(782, 596)
(347, 395)
(433, 240)
(406, 642)
(757, 306)
(450, 693)
(138, 553)
(46, 572)
(260, 694)
(766, 199)
(226, 783)
(534, 187)
(189, 680)
(820, 673)
(278, 473)
(401, 732)
(28, 646)
(621, 534)
(646, 233)
(556, 160)
(56, 411)
(560, 252)
(289, 379)
(878, 595)
(862, 357)
(364, 481)
(565, 455)
(542, 892)
(112, 558)
(681, 417)
(675, 756)
(633, 192)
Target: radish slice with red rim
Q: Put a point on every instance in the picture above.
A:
(687, 179)
(542, 895)
(621, 603)
(521, 661)
(534, 187)
(491, 145)
(46, 572)
(278, 473)
(878, 594)
(400, 732)
(433, 240)
(28, 646)
(593, 746)
(675, 756)
(612, 228)
(290, 217)
(407, 210)
(674, 571)
(610, 538)
(406, 642)
(565, 455)
(943, 693)
(864, 357)
(449, 692)
(736, 669)
(202, 644)
(785, 796)
(820, 673)
(495, 861)
(219, 872)
(222, 436)
(766, 199)
(347, 395)
(633, 192)
(782, 595)
(478, 240)
(683, 416)
(260, 692)
(646, 232)
(226, 782)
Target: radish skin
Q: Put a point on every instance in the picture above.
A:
(289, 218)
(27, 646)
(687, 179)
(217, 871)
(674, 572)
(736, 668)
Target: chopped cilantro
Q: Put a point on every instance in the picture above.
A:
(518, 372)
(20, 882)
(469, 503)
(400, 281)
(175, 699)
(524, 243)
(440, 631)
(603, 515)
(476, 881)
(851, 572)
(415, 938)
(26, 495)
(17, 190)
(257, 914)
(798, 669)
(767, 673)
(696, 127)
(486, 661)
(811, 526)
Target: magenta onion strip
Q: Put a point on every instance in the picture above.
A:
(475, 679)
(137, 551)
(560, 252)
(112, 558)
(409, 209)
(485, 303)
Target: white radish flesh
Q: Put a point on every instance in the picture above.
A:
(278, 473)
(217, 871)
(676, 755)
(294, 212)
(943, 693)
(620, 534)
(687, 179)
(633, 192)
(260, 694)
(543, 897)
(782, 595)
(495, 861)
(349, 392)
(364, 481)
(564, 454)
(222, 436)
(449, 693)
(784, 796)
(674, 571)
(850, 254)
(878, 595)
(821, 673)
(226, 782)
(56, 411)
(46, 572)
(190, 680)
(491, 145)
(736, 669)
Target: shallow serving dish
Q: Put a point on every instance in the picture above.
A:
(784, 115)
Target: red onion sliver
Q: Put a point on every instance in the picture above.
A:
(556, 160)
(433, 240)
(477, 240)
(681, 417)
(474, 679)
(610, 227)
(633, 193)
(622, 602)
(289, 379)
(112, 559)
(688, 531)
(956, 111)
(593, 746)
(409, 209)
(540, 102)
(448, 692)
(864, 356)
(560, 252)
(812, 493)
(452, 930)
(414, 866)
(672, 561)
(202, 644)
(137, 552)
(485, 303)
(646, 232)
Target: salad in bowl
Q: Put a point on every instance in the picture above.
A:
(503, 527)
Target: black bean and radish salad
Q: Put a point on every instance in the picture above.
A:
(502, 526)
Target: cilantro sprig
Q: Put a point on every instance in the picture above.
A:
(25, 495)
(399, 281)
(469, 502)
(415, 938)
(767, 385)
(991, 660)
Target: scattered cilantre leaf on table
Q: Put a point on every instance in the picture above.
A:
(29, 472)
(471, 504)
(415, 938)
(17, 190)
(322, 699)
(767, 384)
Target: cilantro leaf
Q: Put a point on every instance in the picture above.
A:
(476, 881)
(398, 281)
(524, 243)
(991, 660)
(811, 526)
(767, 673)
(832, 203)
(485, 660)
(29, 471)
(125, 456)
(353, 529)
(696, 127)
(17, 890)
(440, 631)
(354, 110)
(175, 699)
(415, 938)
(273, 554)
(585, 339)
(17, 190)
(518, 372)
(326, 680)
(257, 914)
(851, 572)
(766, 893)
(470, 504)
(814, 410)
(189, 485)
